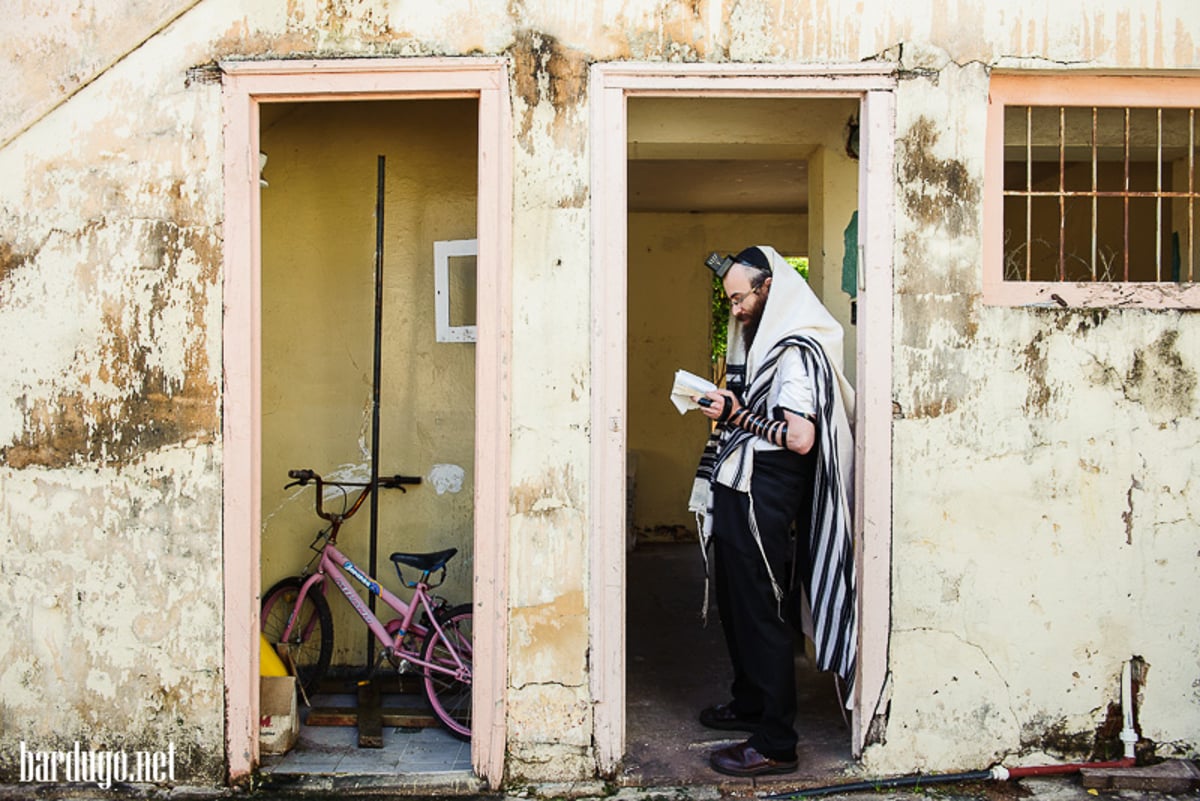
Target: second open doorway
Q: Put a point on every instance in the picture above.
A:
(688, 160)
(712, 174)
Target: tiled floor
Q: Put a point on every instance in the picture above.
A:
(426, 757)
(676, 667)
(334, 749)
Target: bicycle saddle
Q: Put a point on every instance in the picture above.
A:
(425, 561)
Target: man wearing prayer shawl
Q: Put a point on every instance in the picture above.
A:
(781, 453)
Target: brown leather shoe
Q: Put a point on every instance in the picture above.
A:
(723, 717)
(743, 760)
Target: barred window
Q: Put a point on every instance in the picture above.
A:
(1093, 191)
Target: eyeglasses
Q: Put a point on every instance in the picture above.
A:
(740, 300)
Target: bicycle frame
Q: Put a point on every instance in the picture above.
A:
(332, 562)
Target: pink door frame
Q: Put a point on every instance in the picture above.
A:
(247, 85)
(611, 84)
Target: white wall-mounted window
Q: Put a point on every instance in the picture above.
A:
(454, 289)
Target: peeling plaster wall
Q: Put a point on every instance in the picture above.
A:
(1044, 518)
(1045, 512)
(550, 725)
(109, 418)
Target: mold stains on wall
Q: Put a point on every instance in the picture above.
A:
(73, 429)
(938, 291)
(1055, 735)
(1035, 367)
(683, 34)
(546, 71)
(299, 37)
(937, 193)
(1159, 378)
(1161, 381)
(10, 261)
(144, 382)
(941, 383)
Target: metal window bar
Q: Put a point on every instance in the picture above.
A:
(1028, 192)
(1062, 193)
(1126, 194)
(1158, 254)
(1125, 197)
(1095, 189)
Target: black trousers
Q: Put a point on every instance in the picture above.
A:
(758, 631)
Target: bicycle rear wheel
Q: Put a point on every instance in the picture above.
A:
(310, 646)
(450, 693)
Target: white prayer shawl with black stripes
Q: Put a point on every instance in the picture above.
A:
(794, 318)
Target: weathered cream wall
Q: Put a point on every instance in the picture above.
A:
(318, 330)
(1044, 513)
(110, 319)
(670, 308)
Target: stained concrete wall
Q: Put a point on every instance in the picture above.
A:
(1044, 515)
(1044, 510)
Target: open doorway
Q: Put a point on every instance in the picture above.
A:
(278, 313)
(320, 196)
(712, 174)
(716, 132)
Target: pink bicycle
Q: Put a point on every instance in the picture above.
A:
(297, 621)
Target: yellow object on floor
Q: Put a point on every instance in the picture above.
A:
(269, 663)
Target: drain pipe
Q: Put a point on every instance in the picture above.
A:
(999, 772)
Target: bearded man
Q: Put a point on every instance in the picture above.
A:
(781, 453)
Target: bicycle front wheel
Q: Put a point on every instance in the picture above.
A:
(308, 650)
(449, 692)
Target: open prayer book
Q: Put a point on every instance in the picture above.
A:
(688, 385)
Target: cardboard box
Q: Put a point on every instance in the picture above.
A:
(278, 721)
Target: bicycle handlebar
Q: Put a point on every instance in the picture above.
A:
(385, 482)
(304, 476)
(395, 482)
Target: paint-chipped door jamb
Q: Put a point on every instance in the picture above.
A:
(246, 85)
(611, 84)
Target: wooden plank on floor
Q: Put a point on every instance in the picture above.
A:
(332, 716)
(389, 716)
(389, 700)
(409, 718)
(370, 720)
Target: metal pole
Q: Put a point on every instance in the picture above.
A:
(375, 393)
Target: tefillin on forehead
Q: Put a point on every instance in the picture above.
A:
(752, 256)
(718, 265)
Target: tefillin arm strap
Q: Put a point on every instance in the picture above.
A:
(773, 431)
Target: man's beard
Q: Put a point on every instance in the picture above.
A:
(750, 327)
